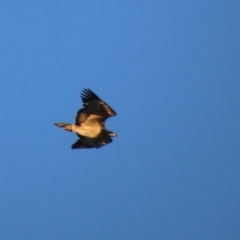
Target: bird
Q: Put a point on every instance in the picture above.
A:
(90, 122)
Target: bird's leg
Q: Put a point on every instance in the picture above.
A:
(68, 128)
(65, 126)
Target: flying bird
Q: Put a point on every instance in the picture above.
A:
(90, 122)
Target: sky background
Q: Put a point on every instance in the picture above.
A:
(170, 69)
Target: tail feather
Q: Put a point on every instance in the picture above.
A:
(65, 126)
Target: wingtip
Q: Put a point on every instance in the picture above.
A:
(87, 95)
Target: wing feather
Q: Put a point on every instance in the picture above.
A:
(93, 102)
(91, 142)
(88, 117)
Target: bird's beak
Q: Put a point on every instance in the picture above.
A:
(114, 135)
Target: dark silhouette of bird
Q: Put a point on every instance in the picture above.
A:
(90, 122)
(92, 142)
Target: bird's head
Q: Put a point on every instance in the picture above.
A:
(110, 133)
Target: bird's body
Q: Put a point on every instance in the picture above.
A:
(85, 130)
(90, 121)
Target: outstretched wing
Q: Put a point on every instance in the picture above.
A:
(93, 102)
(89, 118)
(91, 142)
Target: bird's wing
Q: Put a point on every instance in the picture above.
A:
(93, 102)
(91, 142)
(79, 144)
(89, 118)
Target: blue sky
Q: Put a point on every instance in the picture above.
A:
(170, 69)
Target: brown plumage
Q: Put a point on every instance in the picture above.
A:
(92, 142)
(90, 122)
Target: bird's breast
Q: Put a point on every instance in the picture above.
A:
(87, 130)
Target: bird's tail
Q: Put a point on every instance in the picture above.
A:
(65, 126)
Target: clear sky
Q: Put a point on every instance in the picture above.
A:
(171, 71)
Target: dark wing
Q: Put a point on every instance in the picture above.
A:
(79, 144)
(91, 142)
(89, 118)
(93, 102)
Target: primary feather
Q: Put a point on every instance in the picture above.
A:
(93, 102)
(91, 142)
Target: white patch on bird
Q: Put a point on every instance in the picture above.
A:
(87, 131)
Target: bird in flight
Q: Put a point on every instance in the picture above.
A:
(89, 122)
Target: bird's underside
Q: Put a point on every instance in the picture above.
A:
(88, 131)
(91, 142)
(89, 125)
